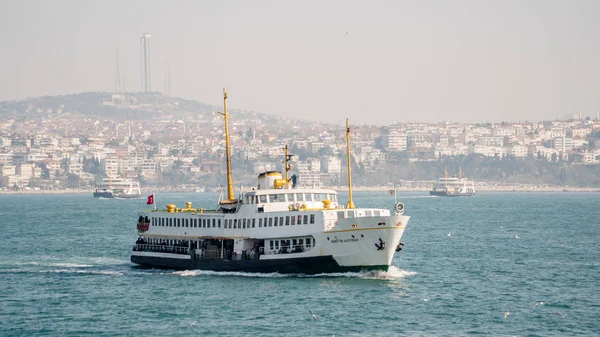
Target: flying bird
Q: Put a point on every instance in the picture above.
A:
(193, 323)
(539, 304)
(506, 314)
(449, 234)
(314, 317)
(516, 236)
(561, 315)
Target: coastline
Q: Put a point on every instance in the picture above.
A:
(338, 189)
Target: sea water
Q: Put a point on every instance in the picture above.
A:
(65, 270)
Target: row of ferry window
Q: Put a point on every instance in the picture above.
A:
(290, 197)
(197, 223)
(353, 214)
(235, 223)
(274, 244)
(271, 222)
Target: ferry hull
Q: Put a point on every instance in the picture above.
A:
(103, 195)
(446, 194)
(118, 195)
(304, 265)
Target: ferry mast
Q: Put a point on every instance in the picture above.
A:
(287, 164)
(230, 195)
(350, 202)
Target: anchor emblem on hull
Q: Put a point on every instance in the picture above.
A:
(381, 245)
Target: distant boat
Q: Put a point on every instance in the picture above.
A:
(122, 188)
(453, 186)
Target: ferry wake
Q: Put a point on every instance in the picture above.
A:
(278, 226)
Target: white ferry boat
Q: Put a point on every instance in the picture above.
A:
(117, 188)
(453, 186)
(275, 227)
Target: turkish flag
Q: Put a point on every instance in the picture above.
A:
(150, 199)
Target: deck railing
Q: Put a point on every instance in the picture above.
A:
(160, 249)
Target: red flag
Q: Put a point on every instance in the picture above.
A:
(150, 199)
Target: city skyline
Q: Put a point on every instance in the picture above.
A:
(374, 63)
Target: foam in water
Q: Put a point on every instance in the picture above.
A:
(393, 273)
(70, 265)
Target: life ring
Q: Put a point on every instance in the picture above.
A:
(399, 208)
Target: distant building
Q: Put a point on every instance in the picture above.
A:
(395, 141)
(308, 176)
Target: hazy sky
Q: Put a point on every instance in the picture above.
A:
(375, 62)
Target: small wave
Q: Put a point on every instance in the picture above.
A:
(82, 271)
(12, 271)
(21, 263)
(105, 260)
(418, 196)
(70, 265)
(72, 262)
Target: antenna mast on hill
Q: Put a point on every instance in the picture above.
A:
(118, 74)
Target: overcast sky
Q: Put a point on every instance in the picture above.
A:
(375, 62)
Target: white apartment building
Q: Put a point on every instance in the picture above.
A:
(414, 140)
(563, 143)
(517, 151)
(488, 151)
(590, 157)
(581, 133)
(395, 141)
(9, 170)
(25, 170)
(544, 152)
(75, 168)
(6, 158)
(308, 177)
(110, 165)
(491, 140)
(331, 165)
(147, 166)
(502, 132)
(454, 150)
(314, 147)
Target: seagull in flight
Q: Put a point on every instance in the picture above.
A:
(314, 317)
(539, 304)
(450, 233)
(193, 323)
(506, 314)
(516, 236)
(561, 315)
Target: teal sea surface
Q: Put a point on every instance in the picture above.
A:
(466, 262)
